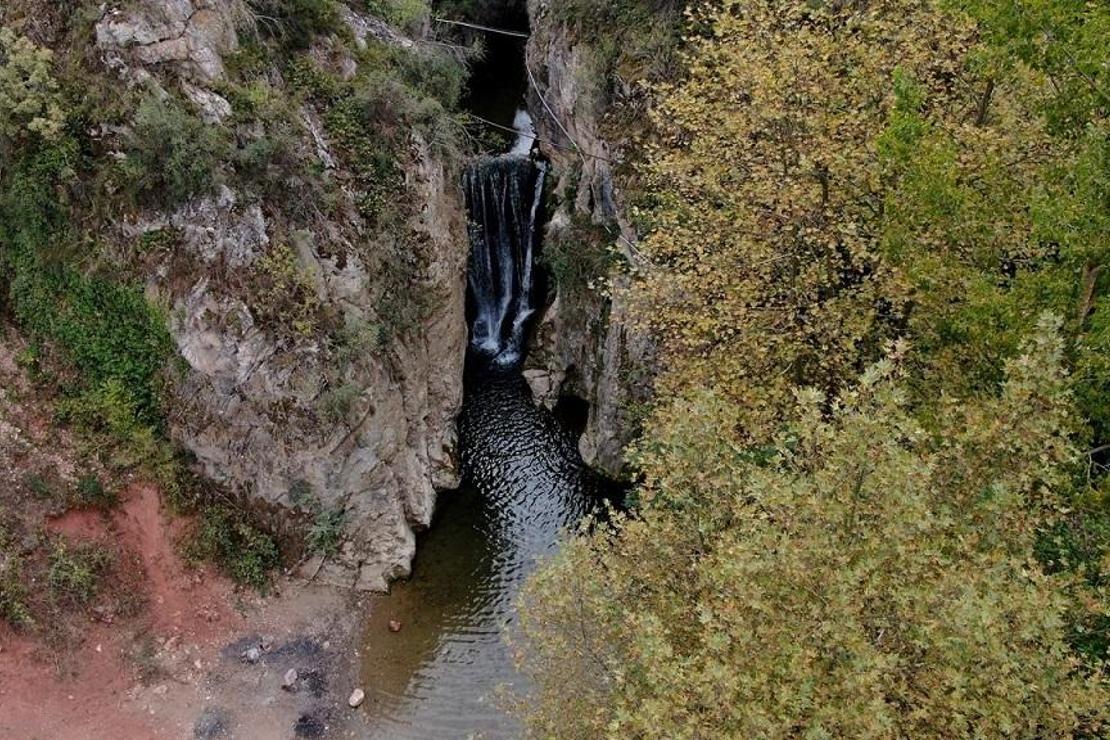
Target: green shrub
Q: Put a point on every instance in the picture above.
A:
(243, 551)
(404, 13)
(326, 532)
(107, 330)
(357, 340)
(336, 403)
(172, 155)
(295, 22)
(285, 299)
(29, 99)
(39, 487)
(75, 572)
(91, 492)
(300, 495)
(579, 257)
(863, 578)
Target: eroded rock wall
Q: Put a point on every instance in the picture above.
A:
(584, 345)
(252, 403)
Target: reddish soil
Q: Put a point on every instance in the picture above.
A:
(83, 694)
(190, 602)
(162, 652)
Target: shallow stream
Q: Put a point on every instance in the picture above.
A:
(448, 672)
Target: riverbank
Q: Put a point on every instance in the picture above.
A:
(121, 635)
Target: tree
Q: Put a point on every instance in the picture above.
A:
(824, 545)
(858, 578)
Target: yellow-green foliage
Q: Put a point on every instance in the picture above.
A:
(829, 550)
(405, 13)
(29, 98)
(286, 299)
(830, 174)
(856, 578)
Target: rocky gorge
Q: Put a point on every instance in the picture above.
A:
(244, 292)
(284, 416)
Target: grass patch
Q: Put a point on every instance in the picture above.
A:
(226, 537)
(75, 572)
(91, 492)
(14, 608)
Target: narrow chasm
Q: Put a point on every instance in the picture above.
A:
(436, 662)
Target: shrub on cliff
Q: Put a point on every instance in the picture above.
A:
(172, 154)
(30, 103)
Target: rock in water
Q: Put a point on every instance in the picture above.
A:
(357, 697)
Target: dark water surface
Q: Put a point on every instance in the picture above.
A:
(525, 485)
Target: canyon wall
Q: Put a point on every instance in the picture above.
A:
(584, 344)
(302, 415)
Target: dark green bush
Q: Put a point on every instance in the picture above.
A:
(172, 155)
(39, 487)
(226, 537)
(91, 492)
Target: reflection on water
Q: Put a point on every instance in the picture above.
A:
(524, 484)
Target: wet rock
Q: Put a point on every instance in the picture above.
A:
(357, 697)
(213, 722)
(584, 344)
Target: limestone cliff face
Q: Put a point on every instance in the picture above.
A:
(277, 416)
(584, 343)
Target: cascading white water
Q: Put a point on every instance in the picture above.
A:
(503, 197)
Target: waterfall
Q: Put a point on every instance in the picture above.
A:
(503, 196)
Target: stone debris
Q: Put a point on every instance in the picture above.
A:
(290, 680)
(357, 697)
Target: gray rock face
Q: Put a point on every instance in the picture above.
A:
(190, 34)
(248, 403)
(584, 345)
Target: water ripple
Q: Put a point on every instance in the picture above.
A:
(525, 484)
